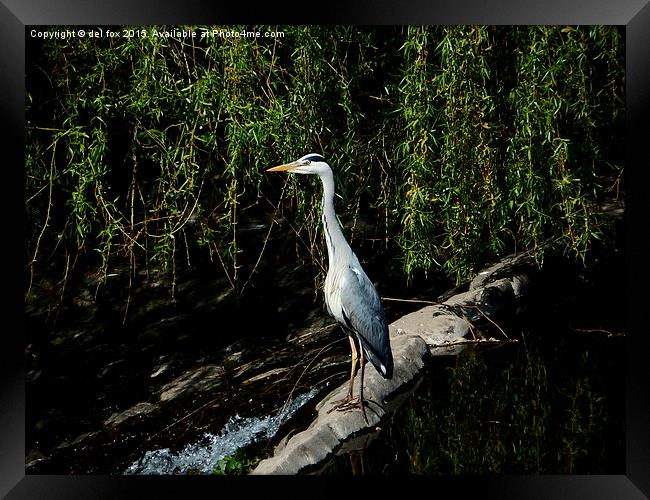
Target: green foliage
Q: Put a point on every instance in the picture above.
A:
(418, 183)
(468, 164)
(550, 177)
(235, 465)
(462, 142)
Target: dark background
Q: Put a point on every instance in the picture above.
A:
(15, 14)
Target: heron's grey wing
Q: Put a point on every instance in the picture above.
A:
(364, 314)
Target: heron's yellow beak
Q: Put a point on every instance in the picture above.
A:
(288, 166)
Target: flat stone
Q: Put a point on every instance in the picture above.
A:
(329, 430)
(508, 267)
(136, 411)
(435, 328)
(201, 379)
(79, 441)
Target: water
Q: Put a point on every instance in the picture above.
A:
(202, 457)
(512, 410)
(551, 403)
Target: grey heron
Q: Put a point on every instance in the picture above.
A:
(350, 296)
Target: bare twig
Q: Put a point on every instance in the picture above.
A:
(418, 301)
(598, 330)
(266, 239)
(474, 341)
(490, 320)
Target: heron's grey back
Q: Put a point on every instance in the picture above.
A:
(365, 315)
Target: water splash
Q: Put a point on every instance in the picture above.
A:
(202, 456)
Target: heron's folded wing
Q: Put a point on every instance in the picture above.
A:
(365, 315)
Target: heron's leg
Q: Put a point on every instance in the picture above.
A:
(350, 402)
(346, 402)
(361, 401)
(353, 369)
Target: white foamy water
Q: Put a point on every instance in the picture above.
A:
(203, 455)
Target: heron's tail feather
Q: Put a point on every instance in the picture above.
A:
(383, 362)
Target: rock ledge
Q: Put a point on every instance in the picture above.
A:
(435, 330)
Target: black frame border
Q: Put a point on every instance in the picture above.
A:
(15, 15)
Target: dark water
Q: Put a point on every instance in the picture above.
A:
(553, 402)
(547, 407)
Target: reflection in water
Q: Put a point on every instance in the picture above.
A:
(553, 407)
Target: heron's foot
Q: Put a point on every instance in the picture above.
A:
(348, 403)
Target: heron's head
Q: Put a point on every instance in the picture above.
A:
(311, 163)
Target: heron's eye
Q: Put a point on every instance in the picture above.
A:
(308, 162)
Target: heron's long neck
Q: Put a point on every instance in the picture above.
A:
(334, 238)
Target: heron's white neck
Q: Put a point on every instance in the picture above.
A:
(334, 238)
